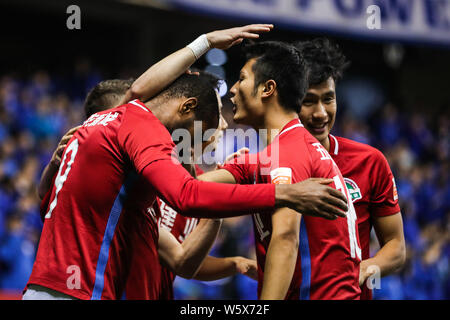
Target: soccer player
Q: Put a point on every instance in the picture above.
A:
(183, 259)
(113, 168)
(298, 256)
(366, 172)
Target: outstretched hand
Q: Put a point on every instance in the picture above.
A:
(224, 39)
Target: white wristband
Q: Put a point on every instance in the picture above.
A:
(199, 46)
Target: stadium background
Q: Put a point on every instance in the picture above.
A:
(394, 96)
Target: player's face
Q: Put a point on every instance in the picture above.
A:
(213, 141)
(247, 103)
(318, 111)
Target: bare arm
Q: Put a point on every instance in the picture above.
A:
(52, 167)
(281, 255)
(214, 268)
(391, 255)
(185, 259)
(164, 72)
(221, 176)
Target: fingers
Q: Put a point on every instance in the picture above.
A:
(322, 180)
(248, 35)
(72, 131)
(341, 205)
(337, 194)
(257, 28)
(334, 211)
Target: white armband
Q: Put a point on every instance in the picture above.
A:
(199, 46)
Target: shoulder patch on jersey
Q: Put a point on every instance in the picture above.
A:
(281, 176)
(353, 189)
(395, 193)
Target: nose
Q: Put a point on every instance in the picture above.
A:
(233, 89)
(223, 123)
(319, 111)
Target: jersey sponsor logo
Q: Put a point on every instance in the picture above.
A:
(395, 192)
(353, 189)
(281, 176)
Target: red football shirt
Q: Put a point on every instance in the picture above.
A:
(371, 185)
(328, 258)
(111, 171)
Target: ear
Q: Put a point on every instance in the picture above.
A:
(187, 106)
(269, 88)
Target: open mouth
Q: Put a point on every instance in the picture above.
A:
(234, 105)
(318, 128)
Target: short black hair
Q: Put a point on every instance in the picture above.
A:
(283, 63)
(323, 58)
(203, 87)
(106, 95)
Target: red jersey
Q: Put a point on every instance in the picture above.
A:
(371, 185)
(110, 173)
(328, 259)
(96, 204)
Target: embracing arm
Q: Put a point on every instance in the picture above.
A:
(186, 258)
(281, 255)
(164, 72)
(391, 255)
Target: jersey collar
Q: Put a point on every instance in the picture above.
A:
(296, 123)
(139, 104)
(334, 144)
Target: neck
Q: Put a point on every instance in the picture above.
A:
(275, 118)
(326, 143)
(159, 113)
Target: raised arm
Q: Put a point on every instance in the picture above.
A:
(164, 72)
(185, 259)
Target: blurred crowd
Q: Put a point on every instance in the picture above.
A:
(35, 111)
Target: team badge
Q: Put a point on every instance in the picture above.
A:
(353, 189)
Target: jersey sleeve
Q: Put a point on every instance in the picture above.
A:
(144, 139)
(200, 199)
(242, 168)
(384, 197)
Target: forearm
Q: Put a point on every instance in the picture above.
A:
(197, 246)
(160, 75)
(214, 268)
(46, 179)
(388, 259)
(279, 268)
(201, 199)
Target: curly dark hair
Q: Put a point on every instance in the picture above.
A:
(323, 58)
(283, 63)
